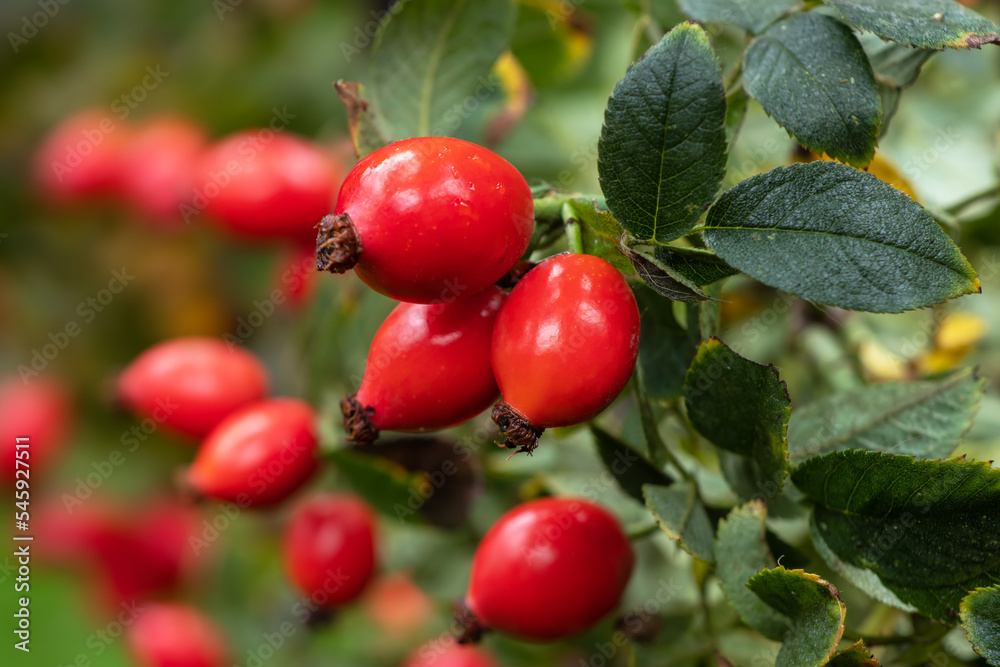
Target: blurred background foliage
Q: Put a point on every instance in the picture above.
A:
(228, 65)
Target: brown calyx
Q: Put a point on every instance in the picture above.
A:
(358, 421)
(468, 629)
(338, 244)
(513, 277)
(521, 435)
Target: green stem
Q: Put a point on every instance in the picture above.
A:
(657, 449)
(955, 209)
(574, 235)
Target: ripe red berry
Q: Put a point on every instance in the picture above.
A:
(449, 654)
(259, 184)
(174, 635)
(40, 411)
(81, 158)
(158, 166)
(428, 219)
(428, 368)
(564, 346)
(549, 569)
(396, 605)
(191, 384)
(259, 455)
(330, 548)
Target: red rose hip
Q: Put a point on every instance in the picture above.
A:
(259, 455)
(549, 569)
(81, 158)
(428, 219)
(40, 413)
(449, 654)
(564, 346)
(174, 635)
(263, 185)
(330, 548)
(428, 368)
(191, 384)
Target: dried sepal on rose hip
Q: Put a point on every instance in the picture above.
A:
(259, 455)
(329, 548)
(188, 385)
(564, 346)
(428, 368)
(428, 219)
(547, 570)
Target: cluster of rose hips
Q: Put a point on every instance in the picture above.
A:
(443, 226)
(435, 223)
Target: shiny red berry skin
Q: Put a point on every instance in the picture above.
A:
(566, 340)
(549, 569)
(81, 158)
(174, 635)
(438, 218)
(429, 365)
(259, 455)
(329, 548)
(40, 411)
(158, 167)
(449, 654)
(191, 384)
(260, 184)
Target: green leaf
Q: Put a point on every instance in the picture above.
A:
(929, 24)
(981, 621)
(432, 56)
(601, 233)
(683, 517)
(813, 609)
(697, 266)
(810, 73)
(665, 347)
(629, 468)
(387, 486)
(661, 278)
(838, 236)
(912, 533)
(741, 407)
(857, 655)
(363, 122)
(741, 551)
(896, 67)
(923, 419)
(662, 151)
(751, 15)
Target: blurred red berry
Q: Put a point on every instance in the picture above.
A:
(259, 455)
(397, 605)
(330, 548)
(38, 410)
(174, 635)
(189, 385)
(449, 654)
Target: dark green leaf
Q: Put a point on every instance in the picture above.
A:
(838, 236)
(741, 407)
(813, 609)
(662, 278)
(924, 419)
(981, 621)
(629, 468)
(432, 56)
(683, 517)
(751, 15)
(857, 655)
(387, 486)
(912, 533)
(896, 67)
(929, 24)
(741, 551)
(662, 151)
(665, 347)
(825, 97)
(699, 267)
